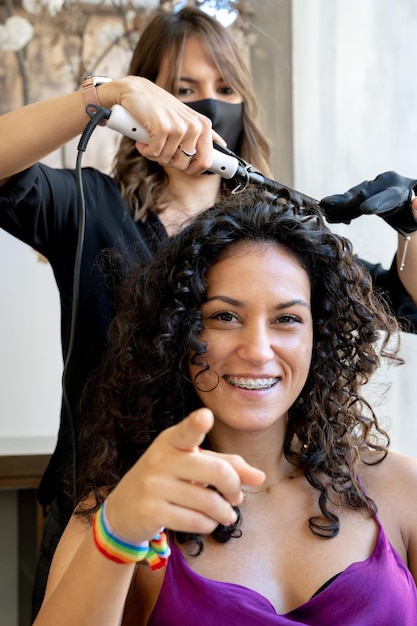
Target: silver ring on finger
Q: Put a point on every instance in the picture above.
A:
(189, 154)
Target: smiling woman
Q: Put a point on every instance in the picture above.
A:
(249, 376)
(258, 333)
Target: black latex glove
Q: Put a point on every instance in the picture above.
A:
(388, 196)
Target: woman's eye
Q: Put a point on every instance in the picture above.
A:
(226, 91)
(184, 91)
(224, 316)
(288, 318)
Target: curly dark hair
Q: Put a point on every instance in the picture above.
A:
(144, 383)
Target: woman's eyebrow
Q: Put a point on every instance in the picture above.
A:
(194, 81)
(225, 299)
(290, 303)
(188, 79)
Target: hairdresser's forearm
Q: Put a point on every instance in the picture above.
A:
(92, 591)
(30, 133)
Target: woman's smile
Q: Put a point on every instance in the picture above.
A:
(251, 383)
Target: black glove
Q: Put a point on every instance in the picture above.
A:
(388, 196)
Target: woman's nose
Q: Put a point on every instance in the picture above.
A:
(208, 92)
(256, 346)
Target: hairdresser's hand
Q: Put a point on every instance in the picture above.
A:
(390, 196)
(169, 122)
(168, 486)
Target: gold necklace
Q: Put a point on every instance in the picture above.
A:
(269, 487)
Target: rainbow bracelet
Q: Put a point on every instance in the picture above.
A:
(119, 550)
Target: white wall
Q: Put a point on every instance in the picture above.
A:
(355, 101)
(31, 362)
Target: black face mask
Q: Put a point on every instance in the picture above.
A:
(226, 118)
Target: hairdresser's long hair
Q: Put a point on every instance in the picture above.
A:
(145, 387)
(143, 182)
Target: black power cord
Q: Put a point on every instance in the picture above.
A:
(97, 114)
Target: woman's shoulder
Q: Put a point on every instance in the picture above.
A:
(395, 473)
(392, 485)
(396, 462)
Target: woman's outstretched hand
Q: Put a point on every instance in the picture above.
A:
(169, 484)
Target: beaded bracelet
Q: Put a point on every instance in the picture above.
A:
(119, 550)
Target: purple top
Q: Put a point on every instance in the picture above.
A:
(377, 592)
